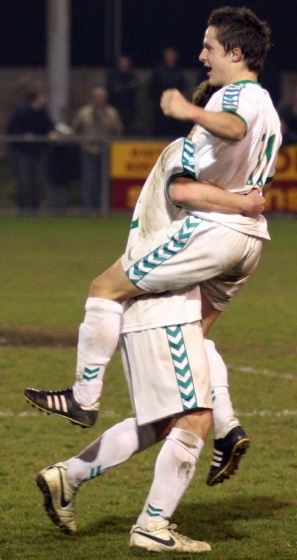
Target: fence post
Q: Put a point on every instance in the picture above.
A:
(105, 181)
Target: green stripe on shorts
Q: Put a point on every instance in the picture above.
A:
(182, 367)
(163, 253)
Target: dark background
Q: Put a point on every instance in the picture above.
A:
(147, 27)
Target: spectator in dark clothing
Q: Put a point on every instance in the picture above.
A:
(122, 84)
(62, 168)
(167, 75)
(30, 119)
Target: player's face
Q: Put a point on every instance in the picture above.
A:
(214, 57)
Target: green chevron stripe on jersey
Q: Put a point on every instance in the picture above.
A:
(165, 252)
(231, 97)
(188, 165)
(182, 367)
(90, 374)
(134, 224)
(152, 511)
(188, 161)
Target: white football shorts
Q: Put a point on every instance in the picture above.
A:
(194, 251)
(166, 370)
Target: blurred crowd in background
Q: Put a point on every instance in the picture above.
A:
(117, 106)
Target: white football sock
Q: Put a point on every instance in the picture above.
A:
(223, 414)
(113, 447)
(174, 470)
(97, 341)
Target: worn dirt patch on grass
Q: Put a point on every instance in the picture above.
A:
(28, 335)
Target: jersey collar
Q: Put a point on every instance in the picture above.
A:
(247, 82)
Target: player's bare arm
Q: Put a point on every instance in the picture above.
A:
(222, 124)
(209, 198)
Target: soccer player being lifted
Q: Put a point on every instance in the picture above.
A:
(235, 148)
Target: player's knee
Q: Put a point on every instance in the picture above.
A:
(198, 423)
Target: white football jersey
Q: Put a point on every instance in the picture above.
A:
(153, 210)
(235, 166)
(239, 166)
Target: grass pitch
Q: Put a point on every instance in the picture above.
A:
(47, 265)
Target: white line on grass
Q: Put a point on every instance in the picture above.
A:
(266, 372)
(248, 370)
(113, 414)
(263, 413)
(9, 413)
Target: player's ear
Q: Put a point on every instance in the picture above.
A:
(237, 55)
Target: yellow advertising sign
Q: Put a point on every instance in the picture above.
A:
(282, 197)
(286, 169)
(134, 160)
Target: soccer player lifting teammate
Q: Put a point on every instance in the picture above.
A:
(235, 148)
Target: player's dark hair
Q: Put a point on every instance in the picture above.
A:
(240, 27)
(203, 93)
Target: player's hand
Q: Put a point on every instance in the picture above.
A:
(174, 104)
(255, 204)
